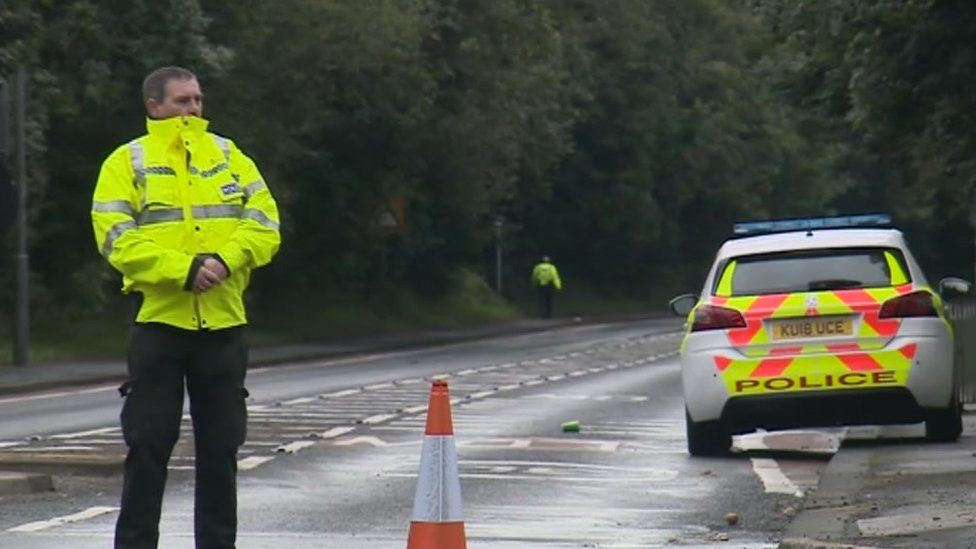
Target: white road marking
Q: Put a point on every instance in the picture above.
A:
(547, 471)
(372, 441)
(336, 432)
(40, 449)
(294, 447)
(378, 418)
(253, 462)
(337, 394)
(87, 433)
(415, 409)
(58, 394)
(87, 514)
(294, 401)
(773, 478)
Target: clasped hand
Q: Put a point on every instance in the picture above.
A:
(209, 275)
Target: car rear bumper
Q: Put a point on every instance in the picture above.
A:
(821, 409)
(923, 380)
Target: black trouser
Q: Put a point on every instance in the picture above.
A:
(212, 365)
(545, 300)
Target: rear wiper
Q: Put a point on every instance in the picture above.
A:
(833, 284)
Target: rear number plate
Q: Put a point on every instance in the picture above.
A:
(804, 328)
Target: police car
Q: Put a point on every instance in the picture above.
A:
(817, 322)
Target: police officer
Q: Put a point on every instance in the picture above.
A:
(185, 216)
(545, 278)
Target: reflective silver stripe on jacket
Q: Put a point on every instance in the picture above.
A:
(251, 188)
(114, 233)
(258, 215)
(224, 145)
(114, 206)
(149, 217)
(216, 212)
(138, 156)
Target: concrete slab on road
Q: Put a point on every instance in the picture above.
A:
(899, 493)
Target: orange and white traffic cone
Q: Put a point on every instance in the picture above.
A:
(437, 521)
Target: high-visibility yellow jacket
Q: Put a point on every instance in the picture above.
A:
(174, 194)
(544, 274)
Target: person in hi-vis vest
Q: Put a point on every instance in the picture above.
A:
(185, 217)
(545, 278)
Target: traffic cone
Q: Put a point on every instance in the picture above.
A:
(437, 521)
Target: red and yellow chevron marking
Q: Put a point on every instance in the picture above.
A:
(853, 370)
(754, 339)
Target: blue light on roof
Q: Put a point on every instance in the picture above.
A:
(810, 223)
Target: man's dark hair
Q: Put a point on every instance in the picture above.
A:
(154, 86)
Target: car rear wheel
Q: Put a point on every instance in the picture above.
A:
(944, 425)
(707, 438)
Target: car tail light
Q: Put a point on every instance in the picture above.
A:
(914, 304)
(711, 317)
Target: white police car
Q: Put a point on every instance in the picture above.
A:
(817, 322)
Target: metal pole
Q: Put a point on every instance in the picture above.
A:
(21, 258)
(498, 254)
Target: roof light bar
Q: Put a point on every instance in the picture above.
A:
(810, 223)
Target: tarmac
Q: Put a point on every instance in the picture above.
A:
(48, 375)
(896, 492)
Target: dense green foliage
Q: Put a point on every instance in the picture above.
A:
(621, 137)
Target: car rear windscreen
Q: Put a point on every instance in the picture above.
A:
(814, 270)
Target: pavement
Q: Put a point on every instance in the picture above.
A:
(899, 492)
(896, 491)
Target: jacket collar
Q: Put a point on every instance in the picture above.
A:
(168, 130)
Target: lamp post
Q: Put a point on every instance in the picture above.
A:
(21, 258)
(499, 222)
